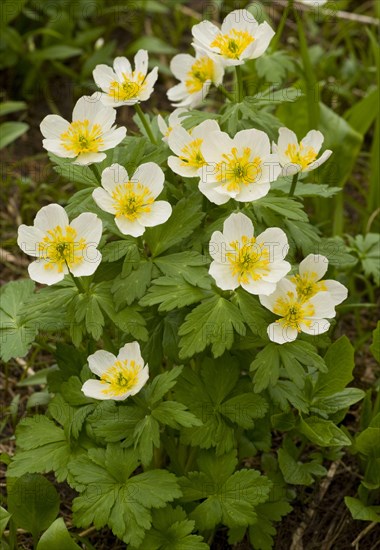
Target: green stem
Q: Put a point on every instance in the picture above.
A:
(77, 283)
(145, 123)
(294, 185)
(239, 82)
(281, 26)
(226, 93)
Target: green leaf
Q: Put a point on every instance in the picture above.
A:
(362, 512)
(77, 174)
(10, 9)
(261, 533)
(128, 289)
(363, 114)
(375, 346)
(289, 208)
(190, 266)
(298, 473)
(60, 51)
(17, 334)
(275, 67)
(186, 216)
(152, 44)
(7, 107)
(368, 441)
(367, 249)
(57, 536)
(213, 323)
(266, 367)
(323, 432)
(4, 518)
(33, 502)
(175, 415)
(340, 363)
(230, 500)
(110, 496)
(337, 401)
(172, 293)
(306, 189)
(161, 384)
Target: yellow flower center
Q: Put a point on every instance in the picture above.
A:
(191, 154)
(82, 137)
(61, 247)
(131, 200)
(248, 259)
(307, 285)
(293, 312)
(201, 71)
(236, 170)
(298, 154)
(232, 44)
(130, 88)
(121, 377)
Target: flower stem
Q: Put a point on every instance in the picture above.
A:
(239, 82)
(281, 26)
(294, 185)
(145, 123)
(77, 283)
(225, 92)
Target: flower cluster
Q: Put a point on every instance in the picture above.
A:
(240, 168)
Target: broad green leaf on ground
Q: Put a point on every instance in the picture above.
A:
(323, 432)
(16, 333)
(171, 293)
(226, 496)
(213, 323)
(111, 495)
(171, 530)
(33, 502)
(362, 512)
(57, 536)
(298, 473)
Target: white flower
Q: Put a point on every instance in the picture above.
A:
(187, 145)
(120, 376)
(299, 157)
(240, 168)
(309, 280)
(309, 316)
(132, 200)
(90, 132)
(61, 246)
(123, 86)
(313, 3)
(196, 74)
(240, 38)
(240, 259)
(175, 119)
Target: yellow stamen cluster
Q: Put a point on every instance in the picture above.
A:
(82, 137)
(236, 170)
(192, 155)
(201, 71)
(298, 154)
(248, 259)
(232, 44)
(293, 311)
(307, 285)
(130, 88)
(131, 200)
(61, 247)
(121, 377)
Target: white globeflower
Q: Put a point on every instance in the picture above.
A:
(85, 138)
(61, 246)
(299, 157)
(309, 280)
(123, 86)
(132, 200)
(240, 168)
(120, 376)
(241, 38)
(196, 74)
(175, 119)
(187, 146)
(308, 316)
(240, 259)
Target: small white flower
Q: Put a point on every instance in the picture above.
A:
(188, 145)
(240, 259)
(240, 38)
(90, 132)
(240, 168)
(309, 280)
(313, 3)
(175, 119)
(132, 200)
(196, 74)
(61, 246)
(299, 157)
(308, 316)
(123, 86)
(120, 376)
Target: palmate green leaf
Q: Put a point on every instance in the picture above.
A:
(213, 323)
(230, 499)
(287, 208)
(171, 530)
(110, 496)
(186, 216)
(255, 316)
(298, 473)
(368, 250)
(57, 536)
(336, 252)
(74, 172)
(175, 415)
(171, 293)
(275, 67)
(306, 189)
(128, 289)
(285, 392)
(16, 333)
(266, 367)
(190, 265)
(323, 432)
(362, 512)
(261, 533)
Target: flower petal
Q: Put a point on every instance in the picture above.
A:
(53, 126)
(315, 264)
(113, 176)
(237, 226)
(29, 238)
(281, 335)
(150, 175)
(39, 272)
(141, 62)
(337, 291)
(131, 352)
(223, 276)
(104, 200)
(127, 227)
(50, 216)
(95, 390)
(160, 212)
(103, 76)
(100, 361)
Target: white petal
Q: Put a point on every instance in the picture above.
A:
(283, 287)
(87, 107)
(29, 238)
(50, 216)
(313, 139)
(323, 306)
(256, 140)
(236, 226)
(217, 144)
(131, 351)
(53, 126)
(181, 64)
(278, 270)
(209, 190)
(205, 33)
(285, 138)
(162, 126)
(325, 156)
(105, 117)
(141, 62)
(203, 129)
(122, 65)
(100, 361)
(149, 84)
(315, 264)
(113, 176)
(104, 200)
(262, 287)
(160, 212)
(150, 175)
(223, 276)
(252, 192)
(127, 227)
(276, 241)
(317, 326)
(91, 260)
(280, 334)
(337, 291)
(218, 247)
(142, 380)
(89, 158)
(178, 139)
(240, 20)
(95, 390)
(103, 76)
(88, 226)
(38, 272)
(55, 146)
(263, 36)
(178, 167)
(112, 138)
